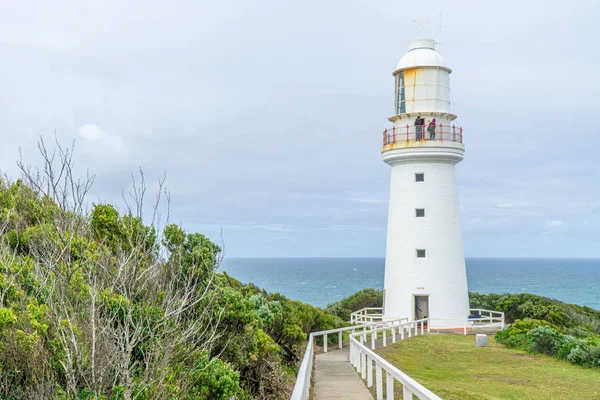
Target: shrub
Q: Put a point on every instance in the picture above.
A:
(524, 305)
(547, 340)
(516, 335)
(519, 341)
(364, 298)
(565, 349)
(579, 355)
(595, 356)
(7, 317)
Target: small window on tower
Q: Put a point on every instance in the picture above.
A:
(420, 212)
(420, 253)
(419, 177)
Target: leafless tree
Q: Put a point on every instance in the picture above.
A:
(99, 300)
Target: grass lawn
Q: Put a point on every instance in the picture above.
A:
(452, 367)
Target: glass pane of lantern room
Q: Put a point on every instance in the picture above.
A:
(400, 94)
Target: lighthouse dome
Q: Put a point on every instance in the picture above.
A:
(422, 53)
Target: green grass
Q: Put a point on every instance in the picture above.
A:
(452, 367)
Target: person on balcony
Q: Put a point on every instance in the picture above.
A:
(431, 129)
(419, 122)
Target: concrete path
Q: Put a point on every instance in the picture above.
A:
(335, 378)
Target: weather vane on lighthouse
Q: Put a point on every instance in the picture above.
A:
(420, 25)
(425, 273)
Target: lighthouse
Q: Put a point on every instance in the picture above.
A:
(425, 273)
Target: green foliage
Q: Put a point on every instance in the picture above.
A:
(208, 378)
(67, 277)
(105, 224)
(196, 253)
(524, 305)
(364, 298)
(547, 340)
(566, 331)
(540, 336)
(7, 318)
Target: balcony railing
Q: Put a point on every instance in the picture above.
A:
(440, 133)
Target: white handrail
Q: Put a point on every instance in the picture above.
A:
(302, 386)
(361, 355)
(363, 315)
(362, 358)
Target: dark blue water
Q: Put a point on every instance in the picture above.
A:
(319, 281)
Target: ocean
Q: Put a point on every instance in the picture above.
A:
(320, 281)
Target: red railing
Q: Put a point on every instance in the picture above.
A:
(441, 133)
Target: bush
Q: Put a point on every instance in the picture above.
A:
(542, 337)
(364, 298)
(582, 320)
(580, 355)
(547, 340)
(516, 335)
(565, 349)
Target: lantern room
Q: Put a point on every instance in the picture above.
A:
(422, 82)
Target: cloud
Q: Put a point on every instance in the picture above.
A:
(555, 223)
(99, 138)
(263, 145)
(512, 205)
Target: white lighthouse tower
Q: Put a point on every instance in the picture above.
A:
(425, 274)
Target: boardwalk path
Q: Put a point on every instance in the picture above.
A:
(335, 378)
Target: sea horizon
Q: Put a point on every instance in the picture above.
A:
(322, 280)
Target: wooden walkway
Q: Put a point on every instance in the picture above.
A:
(335, 378)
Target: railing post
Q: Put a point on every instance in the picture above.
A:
(389, 386)
(384, 339)
(422, 322)
(442, 132)
(461, 134)
(417, 329)
(409, 330)
(340, 338)
(363, 364)
(394, 134)
(372, 340)
(407, 133)
(393, 335)
(379, 382)
(402, 332)
(406, 394)
(325, 343)
(369, 372)
(428, 325)
(465, 329)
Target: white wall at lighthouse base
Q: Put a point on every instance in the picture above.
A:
(442, 274)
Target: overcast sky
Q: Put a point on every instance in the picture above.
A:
(267, 115)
